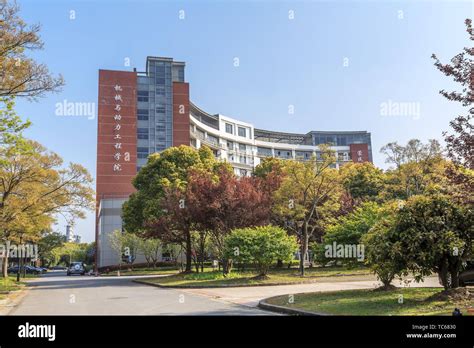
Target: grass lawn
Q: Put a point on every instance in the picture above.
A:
(7, 285)
(143, 271)
(369, 302)
(212, 278)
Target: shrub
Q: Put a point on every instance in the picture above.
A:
(260, 246)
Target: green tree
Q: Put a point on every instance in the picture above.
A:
(349, 229)
(363, 181)
(420, 169)
(151, 249)
(381, 253)
(116, 243)
(261, 246)
(131, 244)
(308, 197)
(35, 187)
(48, 242)
(433, 234)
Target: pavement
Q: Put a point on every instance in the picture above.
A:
(54, 293)
(251, 296)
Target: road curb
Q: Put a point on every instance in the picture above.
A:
(222, 286)
(263, 304)
(10, 303)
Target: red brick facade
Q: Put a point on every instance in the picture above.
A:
(359, 152)
(116, 133)
(180, 113)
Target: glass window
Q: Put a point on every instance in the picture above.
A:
(142, 96)
(142, 114)
(160, 90)
(228, 128)
(230, 145)
(142, 133)
(242, 132)
(242, 147)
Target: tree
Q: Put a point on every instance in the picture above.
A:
(308, 197)
(223, 203)
(48, 242)
(349, 229)
(380, 252)
(200, 247)
(11, 125)
(363, 181)
(69, 252)
(21, 75)
(460, 144)
(116, 243)
(161, 185)
(151, 249)
(433, 234)
(418, 167)
(35, 187)
(261, 246)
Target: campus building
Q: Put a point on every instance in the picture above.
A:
(140, 113)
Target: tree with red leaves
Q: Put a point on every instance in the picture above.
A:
(460, 145)
(223, 203)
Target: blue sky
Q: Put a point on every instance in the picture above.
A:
(336, 62)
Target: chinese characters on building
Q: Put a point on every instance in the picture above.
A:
(118, 155)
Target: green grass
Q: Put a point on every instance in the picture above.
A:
(144, 271)
(212, 278)
(7, 285)
(370, 302)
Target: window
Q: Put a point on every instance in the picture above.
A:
(161, 128)
(243, 172)
(160, 108)
(160, 90)
(142, 96)
(142, 114)
(242, 132)
(142, 133)
(243, 159)
(242, 147)
(230, 145)
(229, 128)
(264, 151)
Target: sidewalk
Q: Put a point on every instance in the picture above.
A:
(251, 296)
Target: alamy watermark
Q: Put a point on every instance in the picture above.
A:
(29, 251)
(75, 109)
(345, 251)
(392, 108)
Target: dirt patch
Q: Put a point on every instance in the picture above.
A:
(458, 294)
(389, 287)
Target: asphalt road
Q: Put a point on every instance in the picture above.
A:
(57, 294)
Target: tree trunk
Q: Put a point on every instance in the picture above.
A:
(189, 261)
(303, 249)
(5, 267)
(443, 275)
(279, 264)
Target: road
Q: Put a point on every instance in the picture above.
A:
(57, 294)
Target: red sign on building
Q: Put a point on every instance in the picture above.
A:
(359, 152)
(116, 133)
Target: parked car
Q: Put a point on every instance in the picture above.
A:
(28, 269)
(58, 268)
(466, 277)
(76, 268)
